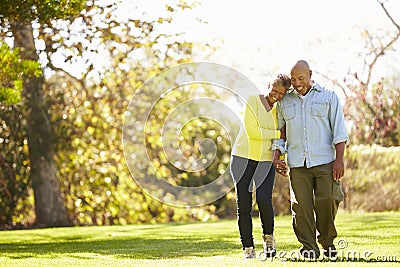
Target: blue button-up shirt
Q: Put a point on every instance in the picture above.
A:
(314, 125)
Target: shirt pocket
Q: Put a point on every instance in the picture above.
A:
(289, 112)
(319, 109)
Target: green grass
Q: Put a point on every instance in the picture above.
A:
(193, 244)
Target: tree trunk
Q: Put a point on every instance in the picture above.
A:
(49, 204)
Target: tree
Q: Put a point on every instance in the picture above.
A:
(372, 109)
(85, 103)
(16, 19)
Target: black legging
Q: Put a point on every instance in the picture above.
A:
(244, 171)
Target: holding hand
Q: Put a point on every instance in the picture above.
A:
(280, 166)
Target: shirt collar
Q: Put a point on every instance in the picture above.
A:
(315, 86)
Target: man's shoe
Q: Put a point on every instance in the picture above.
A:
(249, 253)
(330, 251)
(269, 245)
(309, 254)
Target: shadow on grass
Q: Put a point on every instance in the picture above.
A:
(136, 248)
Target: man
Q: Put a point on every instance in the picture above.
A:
(315, 142)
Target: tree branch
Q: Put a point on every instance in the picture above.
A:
(51, 66)
(384, 48)
(387, 14)
(381, 53)
(335, 82)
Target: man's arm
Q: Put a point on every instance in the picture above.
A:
(340, 136)
(338, 164)
(283, 133)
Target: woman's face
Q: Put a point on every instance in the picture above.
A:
(276, 94)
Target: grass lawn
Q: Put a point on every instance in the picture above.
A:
(367, 239)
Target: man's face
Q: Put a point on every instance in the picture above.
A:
(300, 77)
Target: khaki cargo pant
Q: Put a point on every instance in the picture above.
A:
(314, 190)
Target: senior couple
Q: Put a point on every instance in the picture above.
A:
(306, 126)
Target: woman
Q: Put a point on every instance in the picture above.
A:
(252, 161)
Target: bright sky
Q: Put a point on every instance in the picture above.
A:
(261, 37)
(264, 37)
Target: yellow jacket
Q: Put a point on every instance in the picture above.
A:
(257, 131)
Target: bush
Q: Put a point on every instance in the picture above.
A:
(371, 180)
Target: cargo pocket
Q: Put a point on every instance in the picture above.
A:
(337, 191)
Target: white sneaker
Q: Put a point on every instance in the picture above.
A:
(249, 253)
(269, 245)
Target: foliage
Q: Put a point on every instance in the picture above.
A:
(374, 114)
(12, 72)
(281, 195)
(372, 109)
(98, 186)
(96, 181)
(88, 116)
(86, 112)
(371, 180)
(15, 204)
(16, 18)
(26, 11)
